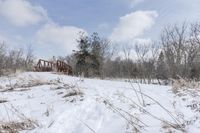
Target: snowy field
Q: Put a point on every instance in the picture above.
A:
(52, 103)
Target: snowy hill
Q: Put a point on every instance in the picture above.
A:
(52, 103)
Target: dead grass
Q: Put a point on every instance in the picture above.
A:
(30, 83)
(3, 100)
(68, 90)
(138, 125)
(72, 93)
(182, 84)
(1, 87)
(64, 86)
(59, 93)
(171, 128)
(15, 127)
(25, 83)
(132, 120)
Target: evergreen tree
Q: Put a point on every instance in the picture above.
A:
(96, 56)
(90, 55)
(83, 55)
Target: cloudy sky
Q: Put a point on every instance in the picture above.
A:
(52, 26)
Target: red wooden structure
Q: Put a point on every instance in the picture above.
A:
(63, 67)
(47, 66)
(44, 66)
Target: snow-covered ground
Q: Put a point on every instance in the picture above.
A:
(55, 103)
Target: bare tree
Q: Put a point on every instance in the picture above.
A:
(29, 59)
(192, 52)
(142, 51)
(173, 40)
(2, 57)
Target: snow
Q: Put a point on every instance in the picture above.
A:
(102, 106)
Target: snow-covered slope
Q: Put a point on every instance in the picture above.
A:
(64, 104)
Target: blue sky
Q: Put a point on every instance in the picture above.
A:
(51, 26)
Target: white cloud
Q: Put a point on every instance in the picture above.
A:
(133, 25)
(53, 36)
(21, 12)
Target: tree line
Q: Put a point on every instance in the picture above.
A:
(176, 54)
(12, 60)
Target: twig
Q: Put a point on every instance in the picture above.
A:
(92, 130)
